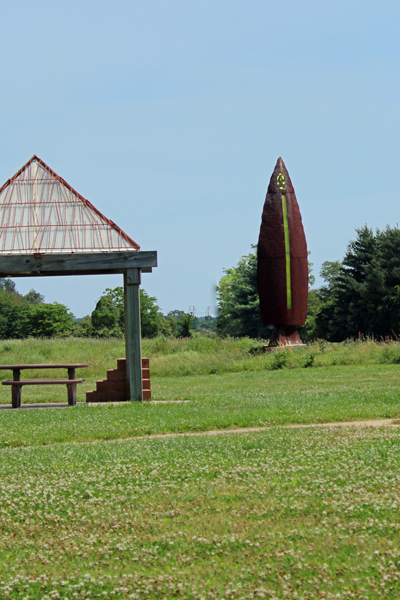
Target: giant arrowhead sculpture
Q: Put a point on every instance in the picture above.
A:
(282, 268)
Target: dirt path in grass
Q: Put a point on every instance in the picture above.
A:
(213, 432)
(371, 423)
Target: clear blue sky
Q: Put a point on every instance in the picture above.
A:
(169, 117)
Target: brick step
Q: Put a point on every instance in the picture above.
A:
(116, 375)
(113, 389)
(107, 386)
(121, 363)
(105, 396)
(119, 375)
(112, 396)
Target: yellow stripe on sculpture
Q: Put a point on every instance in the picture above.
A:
(287, 253)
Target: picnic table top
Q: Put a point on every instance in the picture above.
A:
(42, 366)
(42, 381)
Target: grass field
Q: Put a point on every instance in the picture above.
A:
(304, 514)
(228, 401)
(280, 514)
(242, 389)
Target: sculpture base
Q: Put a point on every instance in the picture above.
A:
(284, 336)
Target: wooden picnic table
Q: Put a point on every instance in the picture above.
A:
(16, 382)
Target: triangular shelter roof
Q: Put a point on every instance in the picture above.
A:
(42, 213)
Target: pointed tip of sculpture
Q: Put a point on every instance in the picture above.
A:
(280, 164)
(273, 186)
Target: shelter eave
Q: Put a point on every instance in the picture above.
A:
(85, 263)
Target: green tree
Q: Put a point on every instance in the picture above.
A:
(168, 326)
(9, 304)
(33, 297)
(185, 325)
(28, 316)
(238, 301)
(330, 272)
(7, 285)
(108, 318)
(311, 278)
(207, 323)
(150, 315)
(362, 295)
(176, 314)
(83, 327)
(105, 317)
(310, 331)
(41, 320)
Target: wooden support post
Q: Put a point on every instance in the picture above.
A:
(71, 388)
(16, 389)
(133, 335)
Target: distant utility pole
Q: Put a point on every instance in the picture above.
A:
(208, 310)
(192, 310)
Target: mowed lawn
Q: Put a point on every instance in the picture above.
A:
(88, 511)
(229, 400)
(302, 514)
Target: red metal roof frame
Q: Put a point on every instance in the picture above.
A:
(71, 189)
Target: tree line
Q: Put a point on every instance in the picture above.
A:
(361, 295)
(29, 316)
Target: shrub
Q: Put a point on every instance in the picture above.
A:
(310, 358)
(391, 355)
(279, 361)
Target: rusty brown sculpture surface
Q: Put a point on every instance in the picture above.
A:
(282, 269)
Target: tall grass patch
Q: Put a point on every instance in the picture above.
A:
(178, 367)
(199, 355)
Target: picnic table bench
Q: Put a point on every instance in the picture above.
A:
(16, 382)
